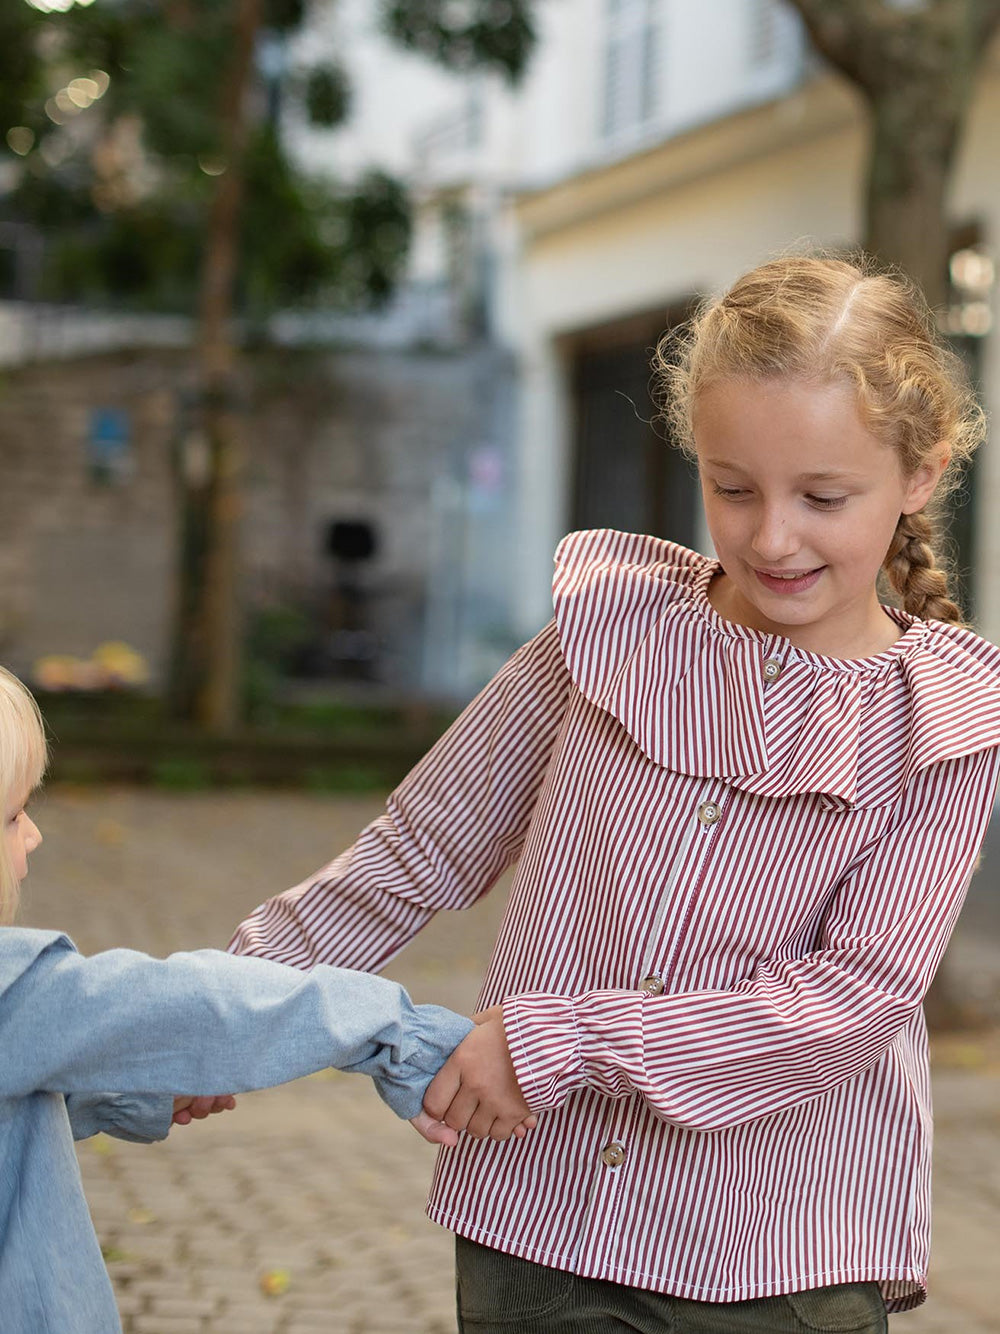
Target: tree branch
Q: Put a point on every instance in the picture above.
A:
(985, 20)
(840, 31)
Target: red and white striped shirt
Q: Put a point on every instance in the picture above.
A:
(738, 866)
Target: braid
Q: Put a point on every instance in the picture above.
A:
(912, 569)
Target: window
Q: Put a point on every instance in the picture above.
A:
(763, 36)
(633, 64)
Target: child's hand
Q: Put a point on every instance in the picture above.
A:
(434, 1132)
(187, 1110)
(476, 1088)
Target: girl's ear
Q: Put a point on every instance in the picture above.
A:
(921, 485)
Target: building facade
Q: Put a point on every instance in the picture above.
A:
(654, 151)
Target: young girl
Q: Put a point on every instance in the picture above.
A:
(104, 1043)
(745, 799)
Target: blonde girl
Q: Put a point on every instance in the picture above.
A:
(745, 798)
(107, 1042)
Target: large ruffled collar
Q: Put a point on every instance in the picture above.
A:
(642, 642)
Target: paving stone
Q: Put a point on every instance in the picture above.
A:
(154, 1323)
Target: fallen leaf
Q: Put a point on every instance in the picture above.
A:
(274, 1282)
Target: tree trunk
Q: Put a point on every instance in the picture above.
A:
(908, 179)
(207, 648)
(915, 68)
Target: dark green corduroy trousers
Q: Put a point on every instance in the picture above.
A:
(501, 1294)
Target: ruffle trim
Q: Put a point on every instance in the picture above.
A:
(642, 642)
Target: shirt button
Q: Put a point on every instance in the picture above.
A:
(613, 1154)
(709, 812)
(771, 669)
(651, 985)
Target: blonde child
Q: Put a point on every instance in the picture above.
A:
(105, 1043)
(745, 799)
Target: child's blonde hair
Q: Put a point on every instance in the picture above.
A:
(824, 319)
(23, 755)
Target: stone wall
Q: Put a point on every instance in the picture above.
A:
(416, 444)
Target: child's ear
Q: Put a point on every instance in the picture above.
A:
(922, 484)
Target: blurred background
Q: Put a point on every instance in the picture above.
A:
(322, 320)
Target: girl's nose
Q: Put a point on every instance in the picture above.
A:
(32, 834)
(774, 537)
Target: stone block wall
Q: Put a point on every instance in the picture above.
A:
(396, 439)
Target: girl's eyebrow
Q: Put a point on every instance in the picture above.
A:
(833, 475)
(827, 475)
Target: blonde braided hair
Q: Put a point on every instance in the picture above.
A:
(826, 319)
(912, 569)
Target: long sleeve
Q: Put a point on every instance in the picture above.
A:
(141, 1118)
(798, 1026)
(203, 1023)
(450, 829)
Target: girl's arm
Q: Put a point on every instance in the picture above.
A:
(454, 824)
(203, 1023)
(141, 1118)
(793, 1030)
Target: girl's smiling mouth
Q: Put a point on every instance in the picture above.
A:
(789, 581)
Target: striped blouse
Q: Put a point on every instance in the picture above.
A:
(738, 864)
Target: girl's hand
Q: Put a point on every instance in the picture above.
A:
(187, 1110)
(476, 1088)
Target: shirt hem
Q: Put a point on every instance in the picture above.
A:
(888, 1276)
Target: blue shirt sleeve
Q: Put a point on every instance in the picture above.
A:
(142, 1118)
(205, 1022)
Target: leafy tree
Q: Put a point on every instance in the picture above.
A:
(182, 196)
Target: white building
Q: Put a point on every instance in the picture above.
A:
(655, 150)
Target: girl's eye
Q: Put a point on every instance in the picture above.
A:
(827, 502)
(729, 492)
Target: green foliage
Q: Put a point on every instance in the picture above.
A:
(21, 71)
(465, 34)
(302, 242)
(173, 85)
(345, 778)
(327, 96)
(275, 635)
(283, 15)
(131, 230)
(181, 774)
(127, 223)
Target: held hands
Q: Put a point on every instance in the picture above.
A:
(476, 1089)
(187, 1110)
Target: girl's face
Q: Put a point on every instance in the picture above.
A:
(22, 837)
(802, 502)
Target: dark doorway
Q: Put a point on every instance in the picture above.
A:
(626, 475)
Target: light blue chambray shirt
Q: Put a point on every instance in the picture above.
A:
(106, 1042)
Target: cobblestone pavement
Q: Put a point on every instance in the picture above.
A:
(302, 1210)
